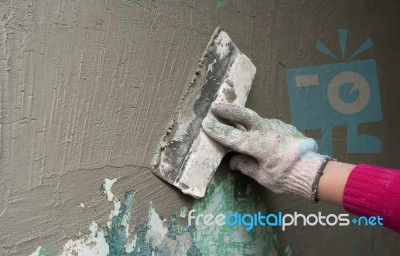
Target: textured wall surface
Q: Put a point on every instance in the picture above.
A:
(88, 87)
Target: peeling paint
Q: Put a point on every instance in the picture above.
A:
(151, 238)
(92, 244)
(183, 212)
(156, 230)
(45, 251)
(36, 252)
(173, 236)
(108, 183)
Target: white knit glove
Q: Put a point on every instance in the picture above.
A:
(273, 153)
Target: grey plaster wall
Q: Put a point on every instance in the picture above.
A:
(88, 87)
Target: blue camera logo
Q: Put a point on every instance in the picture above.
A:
(343, 93)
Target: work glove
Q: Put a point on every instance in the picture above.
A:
(272, 152)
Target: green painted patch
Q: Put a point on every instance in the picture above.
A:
(128, 3)
(47, 251)
(221, 4)
(240, 189)
(288, 251)
(232, 240)
(116, 235)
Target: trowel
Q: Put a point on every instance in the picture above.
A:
(187, 158)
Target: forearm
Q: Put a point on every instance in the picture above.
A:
(332, 182)
(363, 190)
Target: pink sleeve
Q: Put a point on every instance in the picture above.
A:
(371, 191)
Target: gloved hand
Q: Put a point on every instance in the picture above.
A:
(273, 153)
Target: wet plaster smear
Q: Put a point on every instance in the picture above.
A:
(88, 87)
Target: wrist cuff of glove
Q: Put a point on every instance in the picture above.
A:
(314, 186)
(304, 177)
